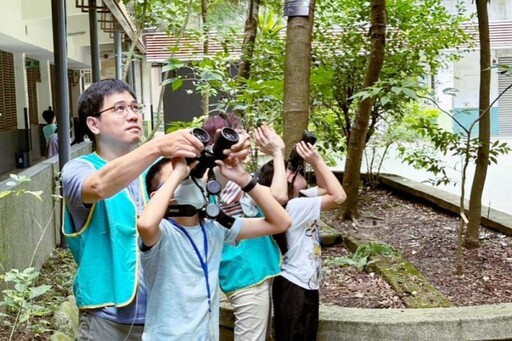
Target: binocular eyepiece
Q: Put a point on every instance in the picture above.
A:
(295, 162)
(210, 154)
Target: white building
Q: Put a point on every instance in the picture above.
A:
(465, 74)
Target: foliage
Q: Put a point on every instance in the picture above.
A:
(364, 255)
(446, 143)
(26, 301)
(22, 298)
(57, 273)
(15, 181)
(197, 122)
(395, 130)
(419, 33)
(167, 16)
(257, 98)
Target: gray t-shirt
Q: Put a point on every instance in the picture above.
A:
(74, 174)
(178, 307)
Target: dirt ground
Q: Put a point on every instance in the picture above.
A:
(425, 237)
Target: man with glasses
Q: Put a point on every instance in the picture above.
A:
(104, 192)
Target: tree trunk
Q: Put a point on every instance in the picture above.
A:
(297, 67)
(352, 173)
(250, 31)
(484, 132)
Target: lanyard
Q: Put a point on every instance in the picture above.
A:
(203, 262)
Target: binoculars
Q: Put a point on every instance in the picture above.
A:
(210, 154)
(295, 162)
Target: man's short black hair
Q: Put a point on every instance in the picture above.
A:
(91, 100)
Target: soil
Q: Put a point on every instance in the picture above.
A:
(427, 238)
(423, 235)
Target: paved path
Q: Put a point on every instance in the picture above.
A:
(498, 186)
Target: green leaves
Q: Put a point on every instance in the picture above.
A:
(15, 182)
(364, 255)
(20, 299)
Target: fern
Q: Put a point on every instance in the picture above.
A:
(363, 257)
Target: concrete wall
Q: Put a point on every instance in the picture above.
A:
(8, 148)
(30, 228)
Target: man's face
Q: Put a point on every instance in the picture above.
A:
(113, 128)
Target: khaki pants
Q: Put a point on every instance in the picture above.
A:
(251, 307)
(95, 328)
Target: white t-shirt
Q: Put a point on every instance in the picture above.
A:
(302, 263)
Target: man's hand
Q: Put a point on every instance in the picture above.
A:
(180, 143)
(267, 140)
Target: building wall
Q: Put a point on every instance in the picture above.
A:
(465, 74)
(499, 10)
(8, 149)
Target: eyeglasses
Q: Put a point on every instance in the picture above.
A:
(121, 109)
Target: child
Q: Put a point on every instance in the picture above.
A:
(246, 270)
(181, 256)
(295, 291)
(51, 127)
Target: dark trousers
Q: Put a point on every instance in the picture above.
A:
(295, 311)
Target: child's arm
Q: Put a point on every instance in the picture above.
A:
(275, 220)
(271, 144)
(334, 195)
(150, 218)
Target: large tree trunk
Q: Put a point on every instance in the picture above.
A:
(352, 173)
(250, 31)
(484, 133)
(297, 67)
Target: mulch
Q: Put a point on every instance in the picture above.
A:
(426, 237)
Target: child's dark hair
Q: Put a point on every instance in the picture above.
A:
(152, 179)
(48, 116)
(266, 174)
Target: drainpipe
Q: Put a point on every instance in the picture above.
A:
(61, 77)
(61, 85)
(118, 51)
(95, 48)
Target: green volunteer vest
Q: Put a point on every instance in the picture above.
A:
(105, 249)
(249, 263)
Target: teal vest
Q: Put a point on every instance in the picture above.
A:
(105, 249)
(248, 264)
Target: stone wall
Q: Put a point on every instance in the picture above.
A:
(29, 227)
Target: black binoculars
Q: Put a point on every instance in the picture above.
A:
(210, 154)
(295, 162)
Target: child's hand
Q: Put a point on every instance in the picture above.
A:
(267, 140)
(308, 152)
(233, 170)
(241, 149)
(181, 168)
